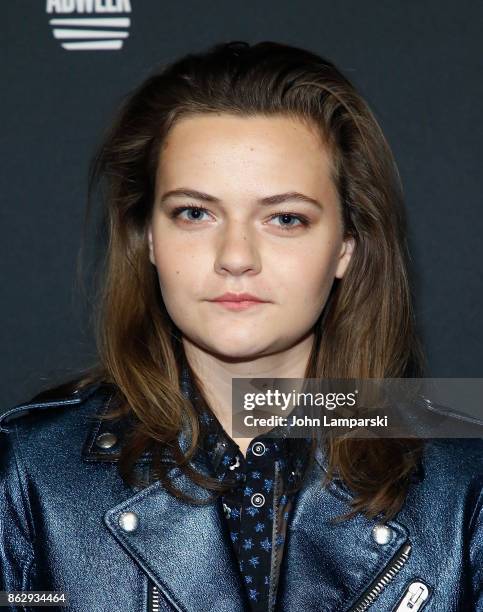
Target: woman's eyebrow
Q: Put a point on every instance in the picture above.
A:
(279, 198)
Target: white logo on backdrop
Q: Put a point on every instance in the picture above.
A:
(101, 30)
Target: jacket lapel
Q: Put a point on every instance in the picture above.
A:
(330, 565)
(184, 548)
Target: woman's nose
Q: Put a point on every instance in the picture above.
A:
(237, 252)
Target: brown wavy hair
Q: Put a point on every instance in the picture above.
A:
(367, 328)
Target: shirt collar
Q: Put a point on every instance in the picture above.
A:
(220, 447)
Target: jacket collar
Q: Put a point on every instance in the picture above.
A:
(104, 441)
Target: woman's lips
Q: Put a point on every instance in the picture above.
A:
(238, 301)
(243, 305)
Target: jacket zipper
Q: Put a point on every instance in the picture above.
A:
(373, 592)
(154, 599)
(414, 597)
(367, 598)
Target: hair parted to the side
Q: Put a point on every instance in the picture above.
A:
(367, 327)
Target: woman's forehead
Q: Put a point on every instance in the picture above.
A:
(258, 154)
(240, 131)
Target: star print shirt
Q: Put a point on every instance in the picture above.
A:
(257, 508)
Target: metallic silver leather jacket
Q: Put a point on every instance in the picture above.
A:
(69, 523)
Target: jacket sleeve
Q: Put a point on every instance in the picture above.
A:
(16, 550)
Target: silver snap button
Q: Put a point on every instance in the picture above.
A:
(382, 534)
(106, 440)
(258, 449)
(235, 465)
(227, 510)
(257, 500)
(128, 521)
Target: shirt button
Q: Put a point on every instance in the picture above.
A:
(257, 500)
(258, 449)
(226, 510)
(382, 534)
(235, 464)
(128, 521)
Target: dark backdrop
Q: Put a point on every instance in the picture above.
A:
(419, 65)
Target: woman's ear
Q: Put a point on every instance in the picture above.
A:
(150, 244)
(345, 256)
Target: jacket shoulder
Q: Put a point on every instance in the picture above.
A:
(458, 461)
(466, 452)
(459, 451)
(51, 402)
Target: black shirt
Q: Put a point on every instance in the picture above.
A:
(257, 508)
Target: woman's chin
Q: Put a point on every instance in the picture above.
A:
(236, 350)
(239, 354)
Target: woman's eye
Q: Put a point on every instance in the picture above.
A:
(195, 213)
(288, 221)
(288, 218)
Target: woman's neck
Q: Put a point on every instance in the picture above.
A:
(217, 374)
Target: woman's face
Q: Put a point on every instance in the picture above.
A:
(255, 234)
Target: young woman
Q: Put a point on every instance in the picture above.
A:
(256, 229)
